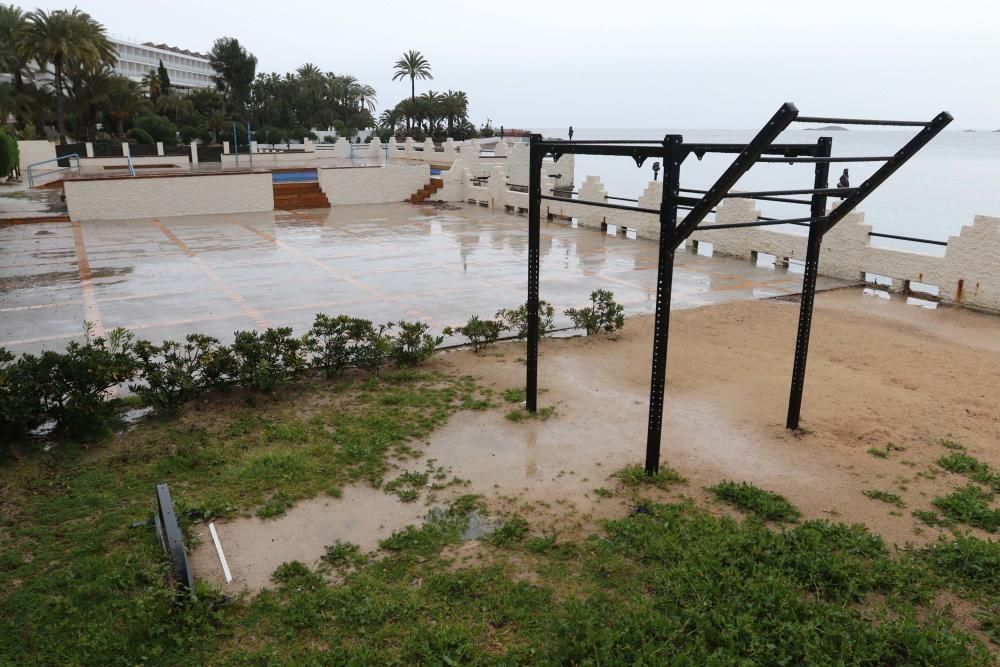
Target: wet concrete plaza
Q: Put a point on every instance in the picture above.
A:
(164, 278)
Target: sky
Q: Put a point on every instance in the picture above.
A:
(620, 63)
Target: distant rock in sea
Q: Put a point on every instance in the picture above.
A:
(829, 128)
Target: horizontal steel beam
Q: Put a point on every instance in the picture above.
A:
(907, 238)
(770, 193)
(763, 222)
(871, 158)
(861, 121)
(601, 204)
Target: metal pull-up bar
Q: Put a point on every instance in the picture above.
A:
(673, 151)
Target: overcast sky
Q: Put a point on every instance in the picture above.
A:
(663, 64)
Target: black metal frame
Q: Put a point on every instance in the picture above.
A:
(672, 151)
(172, 539)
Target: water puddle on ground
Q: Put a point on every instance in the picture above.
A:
(255, 547)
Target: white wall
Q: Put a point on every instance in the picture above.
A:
(372, 185)
(149, 197)
(35, 151)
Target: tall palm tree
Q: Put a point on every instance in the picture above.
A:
(13, 61)
(413, 65)
(151, 82)
(60, 36)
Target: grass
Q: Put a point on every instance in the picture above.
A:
(635, 476)
(764, 504)
(970, 505)
(885, 496)
(78, 586)
(971, 467)
(515, 395)
(883, 452)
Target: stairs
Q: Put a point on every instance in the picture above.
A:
(424, 193)
(294, 196)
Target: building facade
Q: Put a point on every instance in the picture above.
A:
(187, 69)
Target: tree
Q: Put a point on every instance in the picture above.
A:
(455, 107)
(8, 155)
(161, 73)
(60, 36)
(13, 62)
(154, 87)
(413, 65)
(234, 69)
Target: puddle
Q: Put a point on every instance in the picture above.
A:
(255, 547)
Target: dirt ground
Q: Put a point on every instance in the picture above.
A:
(879, 372)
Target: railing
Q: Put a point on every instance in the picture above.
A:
(31, 178)
(131, 167)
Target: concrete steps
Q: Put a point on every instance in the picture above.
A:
(424, 193)
(293, 196)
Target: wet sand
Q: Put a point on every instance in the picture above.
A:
(878, 372)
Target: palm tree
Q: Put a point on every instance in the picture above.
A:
(13, 61)
(412, 64)
(455, 106)
(60, 36)
(151, 82)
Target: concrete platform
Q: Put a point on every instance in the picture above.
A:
(217, 274)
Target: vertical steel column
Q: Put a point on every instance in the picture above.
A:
(816, 231)
(534, 243)
(664, 282)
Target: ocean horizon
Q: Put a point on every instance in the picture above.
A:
(940, 190)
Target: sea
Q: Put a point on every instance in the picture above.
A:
(943, 187)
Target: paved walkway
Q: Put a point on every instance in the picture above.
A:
(217, 274)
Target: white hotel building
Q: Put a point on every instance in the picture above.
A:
(187, 69)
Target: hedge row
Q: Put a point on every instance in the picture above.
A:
(71, 388)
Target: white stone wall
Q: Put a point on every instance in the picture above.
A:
(373, 185)
(180, 161)
(968, 273)
(33, 151)
(155, 197)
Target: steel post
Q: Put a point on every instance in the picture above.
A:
(534, 242)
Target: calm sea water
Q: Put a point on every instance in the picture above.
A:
(954, 178)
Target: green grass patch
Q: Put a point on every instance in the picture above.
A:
(951, 444)
(515, 395)
(970, 505)
(885, 496)
(635, 476)
(764, 504)
(884, 452)
(971, 467)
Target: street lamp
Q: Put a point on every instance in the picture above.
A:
(656, 170)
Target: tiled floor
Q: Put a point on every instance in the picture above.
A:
(217, 274)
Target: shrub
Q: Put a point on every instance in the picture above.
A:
(765, 504)
(330, 340)
(412, 345)
(371, 347)
(266, 360)
(603, 314)
(191, 132)
(75, 384)
(516, 319)
(21, 405)
(8, 154)
(174, 373)
(227, 132)
(329, 139)
(158, 127)
(479, 332)
(140, 136)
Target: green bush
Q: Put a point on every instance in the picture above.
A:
(516, 319)
(604, 314)
(330, 340)
(8, 154)
(329, 139)
(412, 345)
(266, 360)
(479, 332)
(371, 347)
(21, 405)
(139, 136)
(191, 132)
(227, 132)
(75, 384)
(158, 127)
(174, 373)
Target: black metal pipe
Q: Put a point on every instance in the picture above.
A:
(672, 158)
(907, 238)
(600, 204)
(535, 156)
(622, 198)
(762, 222)
(810, 191)
(860, 121)
(810, 273)
(871, 158)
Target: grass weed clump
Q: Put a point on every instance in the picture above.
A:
(764, 504)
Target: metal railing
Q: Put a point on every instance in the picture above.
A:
(31, 177)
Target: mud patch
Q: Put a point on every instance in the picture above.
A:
(256, 547)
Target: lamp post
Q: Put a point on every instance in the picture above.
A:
(656, 170)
